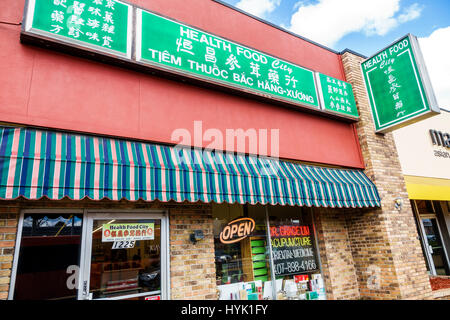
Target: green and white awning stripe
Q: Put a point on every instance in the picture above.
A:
(36, 163)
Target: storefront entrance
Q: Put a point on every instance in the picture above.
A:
(437, 255)
(86, 255)
(429, 229)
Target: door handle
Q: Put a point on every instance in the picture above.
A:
(430, 248)
(85, 290)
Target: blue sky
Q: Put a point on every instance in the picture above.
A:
(367, 26)
(434, 14)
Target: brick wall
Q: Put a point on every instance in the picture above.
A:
(8, 229)
(192, 267)
(336, 255)
(383, 238)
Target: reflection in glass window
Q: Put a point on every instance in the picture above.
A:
(49, 257)
(129, 270)
(243, 268)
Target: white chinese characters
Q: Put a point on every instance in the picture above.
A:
(87, 20)
(338, 95)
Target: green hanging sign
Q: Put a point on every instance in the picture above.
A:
(100, 25)
(166, 44)
(398, 86)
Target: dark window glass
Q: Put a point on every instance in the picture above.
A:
(424, 206)
(435, 246)
(49, 257)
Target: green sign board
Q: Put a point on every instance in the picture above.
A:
(102, 25)
(398, 86)
(336, 96)
(169, 45)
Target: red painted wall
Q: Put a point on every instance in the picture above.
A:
(45, 88)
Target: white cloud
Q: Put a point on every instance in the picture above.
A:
(259, 8)
(411, 13)
(327, 21)
(435, 50)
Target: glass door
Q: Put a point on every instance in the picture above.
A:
(46, 263)
(434, 246)
(125, 257)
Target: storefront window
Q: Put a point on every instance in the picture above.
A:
(129, 267)
(49, 256)
(295, 258)
(242, 257)
(425, 207)
(246, 261)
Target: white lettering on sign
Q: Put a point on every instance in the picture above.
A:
(208, 40)
(277, 64)
(257, 57)
(128, 232)
(383, 56)
(399, 47)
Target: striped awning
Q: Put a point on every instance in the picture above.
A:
(37, 163)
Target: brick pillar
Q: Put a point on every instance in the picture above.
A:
(386, 251)
(336, 255)
(192, 266)
(9, 218)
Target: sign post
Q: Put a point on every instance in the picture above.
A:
(398, 86)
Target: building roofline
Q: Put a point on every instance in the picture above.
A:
(352, 52)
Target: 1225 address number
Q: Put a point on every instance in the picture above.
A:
(123, 244)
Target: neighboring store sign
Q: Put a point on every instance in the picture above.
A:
(101, 25)
(292, 249)
(439, 138)
(128, 232)
(153, 298)
(173, 46)
(398, 86)
(237, 230)
(336, 96)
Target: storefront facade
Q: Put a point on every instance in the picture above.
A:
(96, 205)
(428, 183)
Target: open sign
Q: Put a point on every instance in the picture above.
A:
(237, 230)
